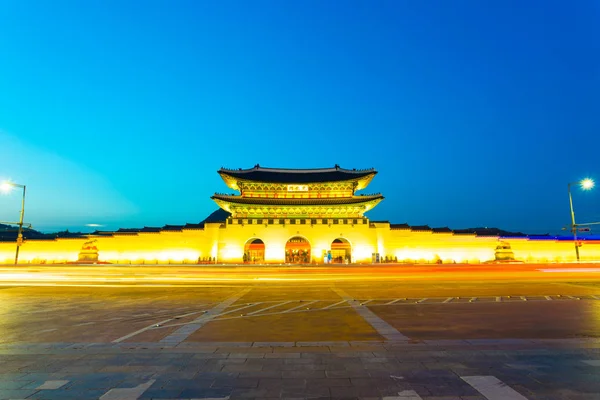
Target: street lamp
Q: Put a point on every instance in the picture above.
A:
(6, 187)
(586, 184)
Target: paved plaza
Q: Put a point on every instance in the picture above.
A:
(530, 332)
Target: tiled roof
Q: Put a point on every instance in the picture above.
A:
(297, 202)
(278, 175)
(399, 226)
(420, 228)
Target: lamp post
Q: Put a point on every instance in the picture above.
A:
(586, 184)
(5, 187)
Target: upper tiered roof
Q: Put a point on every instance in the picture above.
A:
(295, 176)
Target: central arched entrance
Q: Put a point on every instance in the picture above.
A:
(254, 251)
(297, 251)
(341, 251)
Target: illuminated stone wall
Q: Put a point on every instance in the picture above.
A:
(226, 243)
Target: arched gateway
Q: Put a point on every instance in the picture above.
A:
(297, 251)
(254, 251)
(341, 251)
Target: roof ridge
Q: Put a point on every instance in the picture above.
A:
(257, 167)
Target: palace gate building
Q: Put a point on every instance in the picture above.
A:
(303, 216)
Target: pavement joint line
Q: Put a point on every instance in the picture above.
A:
(270, 307)
(382, 327)
(303, 305)
(185, 331)
(493, 388)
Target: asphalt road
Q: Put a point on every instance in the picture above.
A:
(177, 304)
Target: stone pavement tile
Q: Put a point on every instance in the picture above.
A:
(246, 355)
(304, 349)
(236, 382)
(67, 394)
(311, 393)
(297, 367)
(214, 375)
(245, 350)
(270, 383)
(284, 355)
(313, 355)
(255, 393)
(315, 360)
(241, 368)
(182, 383)
(353, 391)
(302, 374)
(210, 355)
(5, 385)
(52, 385)
(274, 344)
(14, 376)
(204, 393)
(261, 374)
(269, 361)
(358, 373)
(328, 382)
(160, 394)
(16, 393)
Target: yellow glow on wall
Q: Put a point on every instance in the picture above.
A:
(362, 253)
(274, 252)
(232, 252)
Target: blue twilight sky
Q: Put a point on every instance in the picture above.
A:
(475, 113)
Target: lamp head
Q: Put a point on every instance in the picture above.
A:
(6, 187)
(587, 184)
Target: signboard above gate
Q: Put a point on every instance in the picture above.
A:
(297, 188)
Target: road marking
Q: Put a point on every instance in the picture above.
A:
(85, 323)
(548, 298)
(366, 302)
(493, 388)
(47, 330)
(570, 270)
(405, 395)
(333, 305)
(154, 325)
(382, 327)
(448, 300)
(268, 308)
(128, 393)
(238, 309)
(186, 330)
(391, 302)
(51, 385)
(300, 306)
(595, 297)
(499, 299)
(593, 363)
